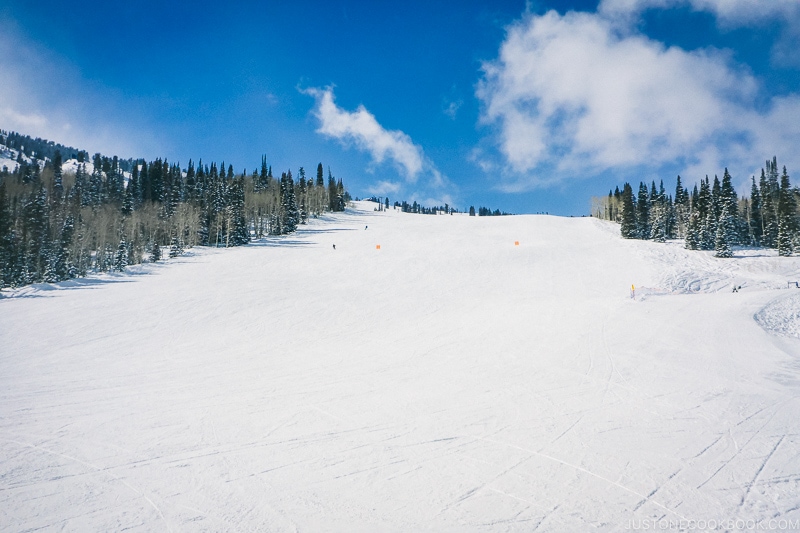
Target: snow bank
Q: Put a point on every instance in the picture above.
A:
(781, 316)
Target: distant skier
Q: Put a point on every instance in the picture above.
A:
(334, 246)
(365, 227)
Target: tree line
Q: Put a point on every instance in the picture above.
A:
(712, 216)
(28, 148)
(446, 209)
(57, 225)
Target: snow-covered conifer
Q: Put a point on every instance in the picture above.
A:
(155, 254)
(693, 240)
(725, 227)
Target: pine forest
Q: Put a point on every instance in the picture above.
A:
(711, 216)
(63, 214)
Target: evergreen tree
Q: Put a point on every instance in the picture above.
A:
(680, 192)
(191, 183)
(320, 176)
(729, 199)
(331, 191)
(787, 213)
(340, 196)
(785, 245)
(772, 179)
(175, 248)
(35, 234)
(95, 188)
(58, 178)
(156, 173)
(145, 184)
(682, 209)
(704, 202)
(658, 214)
(769, 214)
(291, 215)
(643, 212)
(121, 259)
(728, 195)
(693, 238)
(755, 219)
(115, 182)
(628, 226)
(658, 228)
(302, 194)
(79, 190)
(135, 188)
(62, 267)
(127, 200)
(200, 183)
(6, 239)
(716, 198)
(155, 254)
(239, 232)
(708, 231)
(175, 191)
(725, 229)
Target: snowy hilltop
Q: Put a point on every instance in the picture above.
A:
(384, 371)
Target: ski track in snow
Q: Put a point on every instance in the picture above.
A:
(450, 381)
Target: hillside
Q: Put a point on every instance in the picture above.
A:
(447, 381)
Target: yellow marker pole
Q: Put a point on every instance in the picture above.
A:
(633, 292)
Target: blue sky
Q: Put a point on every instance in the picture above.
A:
(527, 107)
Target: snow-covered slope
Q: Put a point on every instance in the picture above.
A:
(8, 159)
(448, 381)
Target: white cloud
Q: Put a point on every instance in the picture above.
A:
(362, 129)
(729, 13)
(383, 188)
(571, 96)
(451, 109)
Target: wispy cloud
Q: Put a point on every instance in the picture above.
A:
(383, 188)
(571, 96)
(361, 129)
(452, 107)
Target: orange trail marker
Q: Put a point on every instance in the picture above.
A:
(516, 243)
(377, 246)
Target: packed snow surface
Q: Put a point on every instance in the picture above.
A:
(449, 380)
